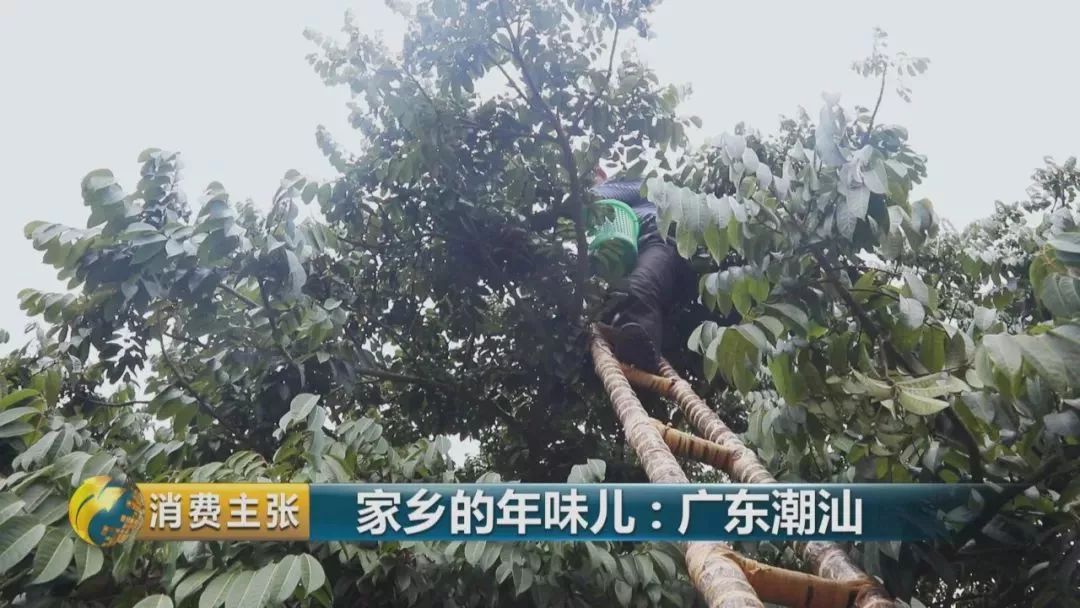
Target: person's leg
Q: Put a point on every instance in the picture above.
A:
(657, 283)
(652, 286)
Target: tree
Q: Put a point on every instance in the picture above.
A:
(483, 195)
(876, 345)
(440, 286)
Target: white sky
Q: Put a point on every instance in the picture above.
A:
(90, 84)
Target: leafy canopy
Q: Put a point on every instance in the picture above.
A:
(440, 286)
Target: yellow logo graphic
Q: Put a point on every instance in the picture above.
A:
(105, 512)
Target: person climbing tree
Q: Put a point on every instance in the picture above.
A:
(660, 280)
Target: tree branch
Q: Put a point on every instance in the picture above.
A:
(275, 333)
(187, 340)
(913, 365)
(384, 374)
(236, 294)
(607, 79)
(873, 116)
(577, 204)
(991, 508)
(509, 79)
(183, 383)
(507, 417)
(97, 401)
(271, 315)
(389, 375)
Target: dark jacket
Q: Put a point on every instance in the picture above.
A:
(628, 192)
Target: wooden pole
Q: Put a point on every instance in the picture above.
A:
(826, 558)
(719, 578)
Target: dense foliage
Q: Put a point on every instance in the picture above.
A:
(440, 286)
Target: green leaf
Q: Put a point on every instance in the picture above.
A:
(922, 406)
(53, 555)
(239, 588)
(743, 373)
(190, 584)
(792, 313)
(787, 382)
(691, 224)
(932, 349)
(325, 191)
(852, 209)
(18, 537)
(285, 577)
(16, 429)
(260, 591)
(88, 560)
(1055, 355)
(215, 592)
(602, 558)
(474, 550)
(772, 325)
(1063, 424)
(666, 563)
(136, 228)
(1042, 265)
(10, 505)
(13, 414)
(523, 579)
(503, 571)
(736, 357)
(1004, 354)
(490, 556)
(645, 569)
(754, 335)
(956, 354)
(309, 192)
(912, 314)
(740, 295)
(716, 241)
(984, 317)
(591, 472)
(875, 388)
(311, 573)
(297, 274)
(876, 177)
(685, 240)
(1068, 242)
(18, 398)
(698, 339)
(32, 227)
(155, 601)
(97, 179)
(1060, 294)
(101, 463)
(624, 593)
(943, 381)
(299, 408)
(917, 289)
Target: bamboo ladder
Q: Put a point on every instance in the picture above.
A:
(722, 575)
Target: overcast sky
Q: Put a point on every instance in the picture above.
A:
(90, 84)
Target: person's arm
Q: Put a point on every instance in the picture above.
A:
(628, 192)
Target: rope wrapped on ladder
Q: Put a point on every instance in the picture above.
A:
(826, 558)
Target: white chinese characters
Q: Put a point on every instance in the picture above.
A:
(479, 513)
(207, 511)
(802, 512)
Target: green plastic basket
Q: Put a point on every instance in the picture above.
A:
(613, 244)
